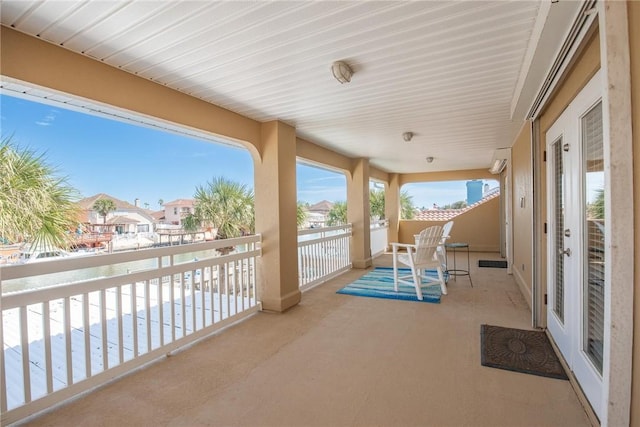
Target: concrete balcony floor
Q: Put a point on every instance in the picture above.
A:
(337, 360)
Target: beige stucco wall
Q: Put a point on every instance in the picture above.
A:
(478, 227)
(458, 175)
(275, 204)
(522, 211)
(634, 48)
(322, 156)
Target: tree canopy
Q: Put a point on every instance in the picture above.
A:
(377, 203)
(227, 206)
(35, 205)
(103, 207)
(338, 214)
(301, 214)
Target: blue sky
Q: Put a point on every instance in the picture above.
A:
(99, 155)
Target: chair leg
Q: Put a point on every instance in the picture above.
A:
(443, 285)
(416, 281)
(395, 268)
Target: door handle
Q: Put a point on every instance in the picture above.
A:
(566, 252)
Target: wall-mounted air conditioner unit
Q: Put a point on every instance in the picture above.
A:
(500, 158)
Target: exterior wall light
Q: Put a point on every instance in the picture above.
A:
(429, 159)
(341, 71)
(407, 136)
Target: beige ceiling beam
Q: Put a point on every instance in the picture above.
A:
(40, 63)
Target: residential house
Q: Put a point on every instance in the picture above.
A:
(127, 218)
(318, 213)
(176, 210)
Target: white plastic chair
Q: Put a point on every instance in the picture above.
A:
(420, 256)
(442, 251)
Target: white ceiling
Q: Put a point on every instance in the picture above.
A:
(450, 72)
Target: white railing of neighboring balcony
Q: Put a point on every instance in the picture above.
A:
(122, 311)
(379, 237)
(323, 253)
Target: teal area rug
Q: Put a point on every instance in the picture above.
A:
(379, 284)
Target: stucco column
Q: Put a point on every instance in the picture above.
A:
(392, 206)
(358, 213)
(275, 203)
(617, 112)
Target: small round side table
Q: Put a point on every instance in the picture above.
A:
(455, 271)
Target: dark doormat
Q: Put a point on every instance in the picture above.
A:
(518, 350)
(492, 263)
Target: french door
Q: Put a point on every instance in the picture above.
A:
(576, 250)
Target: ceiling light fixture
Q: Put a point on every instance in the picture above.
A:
(429, 159)
(341, 71)
(407, 136)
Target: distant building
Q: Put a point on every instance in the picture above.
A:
(474, 191)
(176, 210)
(127, 218)
(318, 213)
(158, 216)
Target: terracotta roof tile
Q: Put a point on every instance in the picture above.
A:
(449, 214)
(323, 206)
(88, 202)
(180, 202)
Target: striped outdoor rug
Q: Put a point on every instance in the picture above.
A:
(379, 284)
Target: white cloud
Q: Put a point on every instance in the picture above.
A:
(325, 178)
(48, 119)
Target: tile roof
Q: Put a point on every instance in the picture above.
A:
(180, 202)
(158, 215)
(323, 206)
(449, 214)
(122, 220)
(88, 202)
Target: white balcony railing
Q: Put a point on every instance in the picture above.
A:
(120, 312)
(323, 253)
(379, 237)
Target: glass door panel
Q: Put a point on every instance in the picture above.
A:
(558, 208)
(594, 234)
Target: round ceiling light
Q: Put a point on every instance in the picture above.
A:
(341, 71)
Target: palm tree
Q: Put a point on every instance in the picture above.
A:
(597, 207)
(376, 204)
(407, 210)
(338, 214)
(160, 202)
(301, 214)
(227, 206)
(35, 204)
(191, 224)
(103, 207)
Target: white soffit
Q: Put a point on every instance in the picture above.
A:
(450, 72)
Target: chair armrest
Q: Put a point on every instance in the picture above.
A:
(403, 245)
